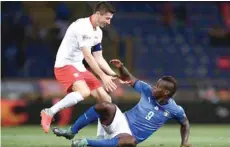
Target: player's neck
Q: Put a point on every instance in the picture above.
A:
(162, 101)
(92, 19)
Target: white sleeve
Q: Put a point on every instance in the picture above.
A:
(84, 38)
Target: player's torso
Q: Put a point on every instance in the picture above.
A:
(146, 117)
(150, 114)
(153, 113)
(69, 52)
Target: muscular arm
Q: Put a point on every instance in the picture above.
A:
(92, 62)
(126, 75)
(184, 131)
(103, 64)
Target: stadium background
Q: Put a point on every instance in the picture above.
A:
(188, 40)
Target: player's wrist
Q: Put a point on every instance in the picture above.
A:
(113, 75)
(101, 75)
(121, 65)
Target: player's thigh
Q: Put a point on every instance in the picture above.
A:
(115, 128)
(106, 110)
(101, 95)
(81, 87)
(69, 76)
(91, 80)
(95, 86)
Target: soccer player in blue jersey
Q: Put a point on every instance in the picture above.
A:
(155, 107)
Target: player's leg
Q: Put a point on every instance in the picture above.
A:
(79, 90)
(126, 140)
(122, 140)
(101, 95)
(96, 89)
(76, 88)
(105, 111)
(98, 92)
(119, 135)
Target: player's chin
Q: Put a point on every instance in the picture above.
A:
(155, 94)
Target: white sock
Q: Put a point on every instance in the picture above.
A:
(100, 130)
(69, 100)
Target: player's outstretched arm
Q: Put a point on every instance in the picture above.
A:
(107, 80)
(184, 130)
(103, 63)
(125, 75)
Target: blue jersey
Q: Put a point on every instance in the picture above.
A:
(148, 115)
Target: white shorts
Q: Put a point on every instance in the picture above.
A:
(118, 126)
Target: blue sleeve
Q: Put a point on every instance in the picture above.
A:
(142, 87)
(97, 47)
(180, 115)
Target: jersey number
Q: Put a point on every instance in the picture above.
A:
(149, 115)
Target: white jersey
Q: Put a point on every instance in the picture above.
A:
(80, 34)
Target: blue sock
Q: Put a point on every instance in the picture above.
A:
(88, 117)
(103, 142)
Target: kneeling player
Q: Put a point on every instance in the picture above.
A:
(155, 107)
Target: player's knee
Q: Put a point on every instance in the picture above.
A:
(102, 95)
(83, 90)
(133, 142)
(106, 97)
(128, 141)
(104, 106)
(85, 93)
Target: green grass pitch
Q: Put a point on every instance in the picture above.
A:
(167, 136)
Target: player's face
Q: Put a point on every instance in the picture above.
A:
(159, 89)
(104, 19)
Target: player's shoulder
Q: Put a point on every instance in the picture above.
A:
(146, 88)
(174, 107)
(82, 21)
(143, 83)
(82, 24)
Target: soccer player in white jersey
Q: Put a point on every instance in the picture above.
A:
(82, 41)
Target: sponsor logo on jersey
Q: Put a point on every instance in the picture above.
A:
(85, 37)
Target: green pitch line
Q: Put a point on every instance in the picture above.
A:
(168, 136)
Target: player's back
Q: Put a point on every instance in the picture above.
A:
(148, 115)
(79, 34)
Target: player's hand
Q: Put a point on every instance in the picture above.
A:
(124, 82)
(117, 63)
(120, 81)
(108, 82)
(186, 145)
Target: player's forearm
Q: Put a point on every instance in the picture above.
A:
(105, 66)
(184, 130)
(126, 75)
(94, 66)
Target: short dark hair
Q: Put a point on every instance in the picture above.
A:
(104, 7)
(172, 80)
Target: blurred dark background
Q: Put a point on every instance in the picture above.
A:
(188, 40)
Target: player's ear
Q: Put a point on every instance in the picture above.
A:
(167, 92)
(98, 13)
